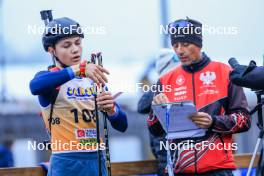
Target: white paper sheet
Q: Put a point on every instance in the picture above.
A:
(179, 126)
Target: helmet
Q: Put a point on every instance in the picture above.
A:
(58, 29)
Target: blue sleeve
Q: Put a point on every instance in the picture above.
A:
(45, 82)
(118, 120)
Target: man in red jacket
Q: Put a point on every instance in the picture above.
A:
(222, 106)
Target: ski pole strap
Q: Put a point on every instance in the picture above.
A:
(53, 98)
(50, 118)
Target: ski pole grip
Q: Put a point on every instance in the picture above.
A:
(46, 16)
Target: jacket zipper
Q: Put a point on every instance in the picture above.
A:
(194, 102)
(193, 84)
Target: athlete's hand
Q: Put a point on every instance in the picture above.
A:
(160, 99)
(96, 73)
(105, 102)
(92, 71)
(202, 119)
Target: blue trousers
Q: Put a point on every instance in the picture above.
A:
(76, 164)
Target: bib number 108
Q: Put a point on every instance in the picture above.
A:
(87, 115)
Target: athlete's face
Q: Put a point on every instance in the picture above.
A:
(187, 52)
(68, 50)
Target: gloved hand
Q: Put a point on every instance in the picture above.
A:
(92, 71)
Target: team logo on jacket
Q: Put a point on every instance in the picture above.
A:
(207, 77)
(180, 80)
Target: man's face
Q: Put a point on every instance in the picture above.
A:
(187, 52)
(69, 50)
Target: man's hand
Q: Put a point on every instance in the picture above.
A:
(105, 103)
(160, 99)
(202, 119)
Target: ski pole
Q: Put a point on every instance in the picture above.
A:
(106, 136)
(93, 60)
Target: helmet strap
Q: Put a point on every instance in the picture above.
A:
(56, 60)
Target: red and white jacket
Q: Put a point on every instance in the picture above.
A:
(207, 84)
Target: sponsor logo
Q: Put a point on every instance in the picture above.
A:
(180, 98)
(180, 88)
(180, 80)
(85, 133)
(180, 93)
(80, 92)
(80, 133)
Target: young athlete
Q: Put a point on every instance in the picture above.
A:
(65, 93)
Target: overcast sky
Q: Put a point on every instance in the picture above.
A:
(132, 26)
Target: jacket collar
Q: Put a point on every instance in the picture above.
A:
(197, 66)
